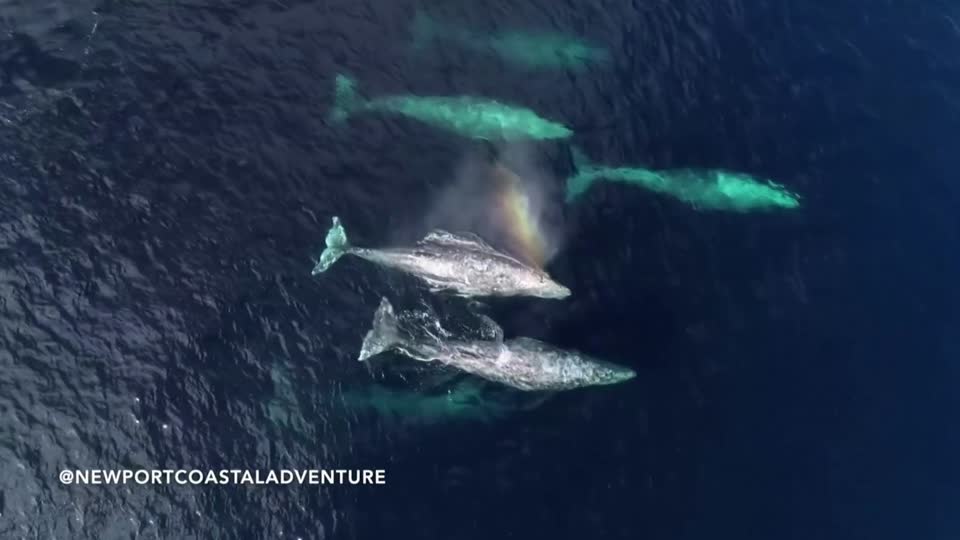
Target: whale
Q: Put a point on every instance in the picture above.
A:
(523, 363)
(522, 49)
(703, 189)
(471, 117)
(462, 264)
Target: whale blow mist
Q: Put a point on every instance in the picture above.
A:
(508, 199)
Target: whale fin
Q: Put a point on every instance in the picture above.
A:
(384, 334)
(346, 99)
(583, 174)
(580, 159)
(337, 246)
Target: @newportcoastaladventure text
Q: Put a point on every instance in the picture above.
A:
(223, 476)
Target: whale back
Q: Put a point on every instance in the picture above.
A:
(463, 240)
(530, 345)
(542, 353)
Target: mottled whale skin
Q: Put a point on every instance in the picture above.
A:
(522, 363)
(461, 263)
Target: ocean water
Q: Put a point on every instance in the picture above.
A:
(167, 176)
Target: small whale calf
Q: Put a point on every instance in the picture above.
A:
(459, 263)
(522, 363)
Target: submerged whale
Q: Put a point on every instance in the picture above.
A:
(469, 116)
(533, 50)
(460, 263)
(522, 363)
(708, 189)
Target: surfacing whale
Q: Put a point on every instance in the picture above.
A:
(522, 363)
(461, 263)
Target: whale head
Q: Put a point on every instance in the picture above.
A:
(554, 290)
(541, 285)
(613, 374)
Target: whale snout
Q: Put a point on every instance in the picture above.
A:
(619, 374)
(561, 291)
(552, 289)
(540, 284)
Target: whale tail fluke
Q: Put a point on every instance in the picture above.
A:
(384, 334)
(582, 177)
(580, 159)
(337, 246)
(346, 99)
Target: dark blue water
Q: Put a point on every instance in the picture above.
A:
(166, 177)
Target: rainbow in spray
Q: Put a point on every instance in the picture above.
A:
(521, 217)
